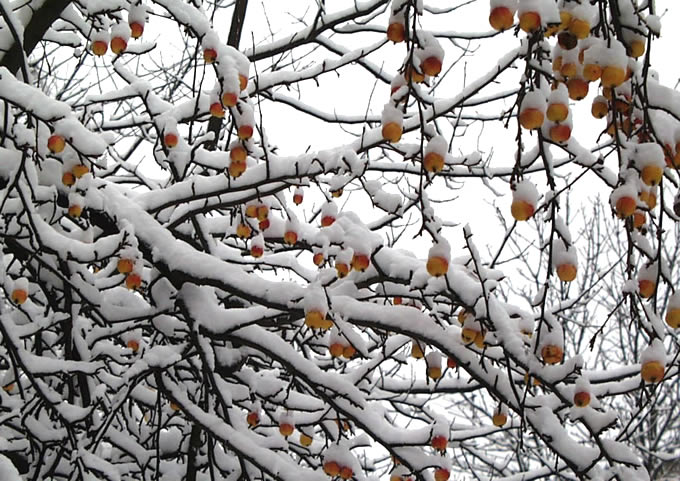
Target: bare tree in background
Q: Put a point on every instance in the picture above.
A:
(214, 225)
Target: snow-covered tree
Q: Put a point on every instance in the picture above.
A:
(351, 239)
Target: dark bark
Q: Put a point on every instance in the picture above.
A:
(237, 20)
(34, 32)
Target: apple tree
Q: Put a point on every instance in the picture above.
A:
(370, 239)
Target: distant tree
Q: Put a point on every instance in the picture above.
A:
(214, 224)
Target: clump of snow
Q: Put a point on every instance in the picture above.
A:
(649, 154)
(509, 4)
(315, 300)
(440, 248)
(525, 190)
(563, 254)
(534, 99)
(438, 145)
(654, 352)
(392, 114)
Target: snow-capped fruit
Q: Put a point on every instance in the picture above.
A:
(552, 354)
(229, 99)
(440, 443)
(263, 225)
(256, 251)
(133, 281)
(557, 112)
(245, 132)
(499, 419)
(577, 88)
(560, 133)
(579, 28)
(133, 345)
(437, 266)
(136, 29)
(118, 45)
(331, 468)
(19, 296)
(625, 207)
(251, 211)
(348, 352)
(243, 230)
(75, 210)
(646, 288)
(566, 272)
(530, 21)
(392, 132)
(434, 372)
(8, 388)
(451, 363)
(125, 266)
(417, 350)
(99, 47)
(557, 64)
(237, 168)
(80, 170)
(637, 48)
(581, 399)
(209, 55)
(297, 198)
(286, 429)
(569, 69)
(341, 269)
(431, 66)
(649, 198)
(612, 76)
(592, 72)
(253, 419)
(56, 144)
(673, 318)
(242, 82)
(174, 406)
(567, 40)
(600, 108)
(501, 18)
(531, 118)
(639, 219)
(238, 153)
(652, 371)
(651, 175)
(262, 212)
(335, 193)
(318, 259)
(290, 237)
(336, 349)
(216, 110)
(441, 474)
(68, 179)
(521, 210)
(413, 75)
(360, 262)
(479, 339)
(327, 220)
(468, 335)
(396, 32)
(317, 320)
(170, 140)
(346, 472)
(433, 162)
(305, 440)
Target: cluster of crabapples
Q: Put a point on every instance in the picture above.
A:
(579, 58)
(118, 36)
(423, 61)
(231, 68)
